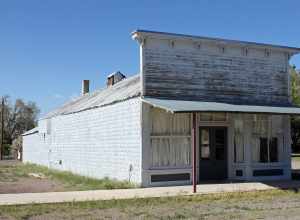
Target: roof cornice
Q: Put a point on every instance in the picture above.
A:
(140, 35)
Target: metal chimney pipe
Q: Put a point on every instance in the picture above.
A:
(85, 87)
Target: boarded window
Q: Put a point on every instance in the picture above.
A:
(170, 139)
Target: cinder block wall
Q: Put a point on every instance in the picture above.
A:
(102, 142)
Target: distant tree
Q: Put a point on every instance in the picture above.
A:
(16, 148)
(19, 117)
(295, 120)
(22, 117)
(295, 85)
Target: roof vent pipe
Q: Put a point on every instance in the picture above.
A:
(85, 87)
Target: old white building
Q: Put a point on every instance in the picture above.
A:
(201, 109)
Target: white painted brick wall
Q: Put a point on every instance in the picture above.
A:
(99, 143)
(35, 149)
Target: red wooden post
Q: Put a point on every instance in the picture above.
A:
(194, 154)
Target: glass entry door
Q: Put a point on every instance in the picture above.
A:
(213, 153)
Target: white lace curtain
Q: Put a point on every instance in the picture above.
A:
(265, 126)
(170, 152)
(170, 139)
(239, 139)
(260, 129)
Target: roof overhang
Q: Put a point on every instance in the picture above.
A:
(30, 132)
(179, 106)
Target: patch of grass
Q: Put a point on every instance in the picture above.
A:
(77, 182)
(178, 207)
(70, 181)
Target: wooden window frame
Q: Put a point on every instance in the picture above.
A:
(171, 136)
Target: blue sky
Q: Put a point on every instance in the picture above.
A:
(47, 47)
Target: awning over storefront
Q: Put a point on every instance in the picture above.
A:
(177, 106)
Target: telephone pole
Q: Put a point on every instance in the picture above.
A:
(2, 129)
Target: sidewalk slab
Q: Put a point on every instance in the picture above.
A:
(60, 197)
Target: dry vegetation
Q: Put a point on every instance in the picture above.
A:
(276, 204)
(15, 178)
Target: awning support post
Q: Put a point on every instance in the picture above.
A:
(194, 153)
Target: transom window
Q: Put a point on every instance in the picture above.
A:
(210, 116)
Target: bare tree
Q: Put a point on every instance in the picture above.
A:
(18, 118)
(21, 117)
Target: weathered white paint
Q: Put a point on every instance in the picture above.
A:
(36, 149)
(174, 67)
(95, 143)
(95, 136)
(102, 142)
(247, 166)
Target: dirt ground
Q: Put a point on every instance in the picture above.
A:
(24, 185)
(12, 181)
(16, 177)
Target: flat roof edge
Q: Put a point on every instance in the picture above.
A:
(175, 35)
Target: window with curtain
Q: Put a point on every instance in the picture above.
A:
(265, 135)
(170, 139)
(238, 139)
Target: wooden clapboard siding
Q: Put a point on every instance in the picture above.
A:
(209, 74)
